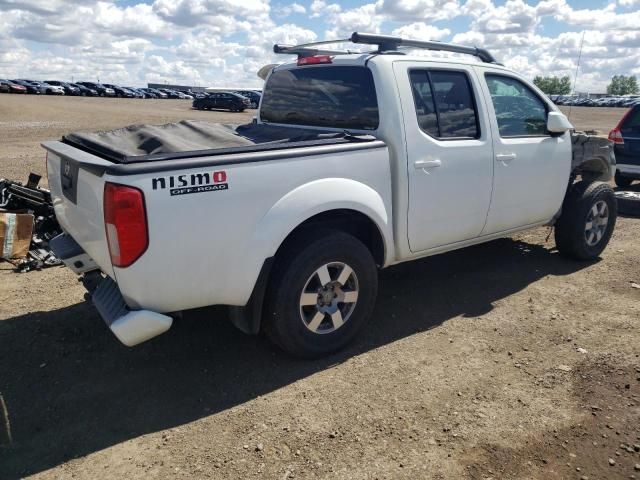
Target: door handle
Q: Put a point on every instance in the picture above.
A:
(427, 163)
(505, 157)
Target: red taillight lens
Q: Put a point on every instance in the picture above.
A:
(125, 221)
(316, 59)
(616, 136)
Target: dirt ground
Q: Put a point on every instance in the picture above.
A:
(500, 361)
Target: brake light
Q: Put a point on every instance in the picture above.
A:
(316, 59)
(616, 136)
(125, 222)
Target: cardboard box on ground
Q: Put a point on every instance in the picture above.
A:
(16, 229)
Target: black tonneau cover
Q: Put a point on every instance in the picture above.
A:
(191, 138)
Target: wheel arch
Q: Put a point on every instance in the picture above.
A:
(341, 204)
(333, 202)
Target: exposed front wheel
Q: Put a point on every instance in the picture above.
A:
(588, 218)
(322, 291)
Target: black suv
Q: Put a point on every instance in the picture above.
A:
(223, 101)
(254, 97)
(85, 91)
(98, 87)
(121, 92)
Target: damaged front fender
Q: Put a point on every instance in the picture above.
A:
(593, 158)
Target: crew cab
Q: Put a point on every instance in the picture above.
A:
(355, 162)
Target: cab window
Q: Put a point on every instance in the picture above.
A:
(445, 105)
(519, 111)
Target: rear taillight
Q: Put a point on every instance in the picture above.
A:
(125, 221)
(616, 136)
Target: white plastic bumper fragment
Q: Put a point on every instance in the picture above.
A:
(130, 326)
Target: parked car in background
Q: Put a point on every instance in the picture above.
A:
(138, 92)
(171, 93)
(155, 92)
(102, 90)
(29, 87)
(254, 97)
(9, 86)
(626, 143)
(44, 87)
(222, 100)
(68, 88)
(119, 91)
(14, 87)
(85, 91)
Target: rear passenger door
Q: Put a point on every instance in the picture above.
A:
(531, 167)
(449, 153)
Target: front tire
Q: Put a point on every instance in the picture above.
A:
(321, 293)
(588, 218)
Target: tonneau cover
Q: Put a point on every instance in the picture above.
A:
(190, 138)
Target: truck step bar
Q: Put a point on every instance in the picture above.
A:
(385, 44)
(72, 255)
(130, 326)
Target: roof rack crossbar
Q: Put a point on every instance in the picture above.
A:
(385, 43)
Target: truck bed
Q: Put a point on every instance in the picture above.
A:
(190, 138)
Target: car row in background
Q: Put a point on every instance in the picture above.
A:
(236, 100)
(578, 101)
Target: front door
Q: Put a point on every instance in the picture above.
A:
(449, 153)
(531, 167)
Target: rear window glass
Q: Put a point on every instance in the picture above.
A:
(444, 104)
(336, 96)
(631, 122)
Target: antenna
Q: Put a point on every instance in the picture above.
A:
(575, 77)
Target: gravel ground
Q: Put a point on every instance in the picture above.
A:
(499, 361)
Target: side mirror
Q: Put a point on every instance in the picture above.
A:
(558, 123)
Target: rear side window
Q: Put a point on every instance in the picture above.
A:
(335, 96)
(519, 111)
(631, 123)
(444, 103)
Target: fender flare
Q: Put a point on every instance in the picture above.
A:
(316, 197)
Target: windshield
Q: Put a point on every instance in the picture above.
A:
(331, 96)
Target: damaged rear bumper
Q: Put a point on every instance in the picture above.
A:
(131, 327)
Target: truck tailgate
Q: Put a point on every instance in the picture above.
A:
(77, 194)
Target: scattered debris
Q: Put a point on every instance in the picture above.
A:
(581, 350)
(31, 199)
(635, 285)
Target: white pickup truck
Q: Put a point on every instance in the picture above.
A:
(355, 162)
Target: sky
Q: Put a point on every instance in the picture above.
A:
(225, 42)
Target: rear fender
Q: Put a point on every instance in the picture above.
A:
(317, 197)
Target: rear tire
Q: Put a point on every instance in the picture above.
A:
(621, 181)
(588, 218)
(321, 293)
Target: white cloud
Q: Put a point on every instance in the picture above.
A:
(421, 31)
(424, 10)
(286, 10)
(225, 41)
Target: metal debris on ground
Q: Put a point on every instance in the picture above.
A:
(29, 198)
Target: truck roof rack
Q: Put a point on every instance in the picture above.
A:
(385, 44)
